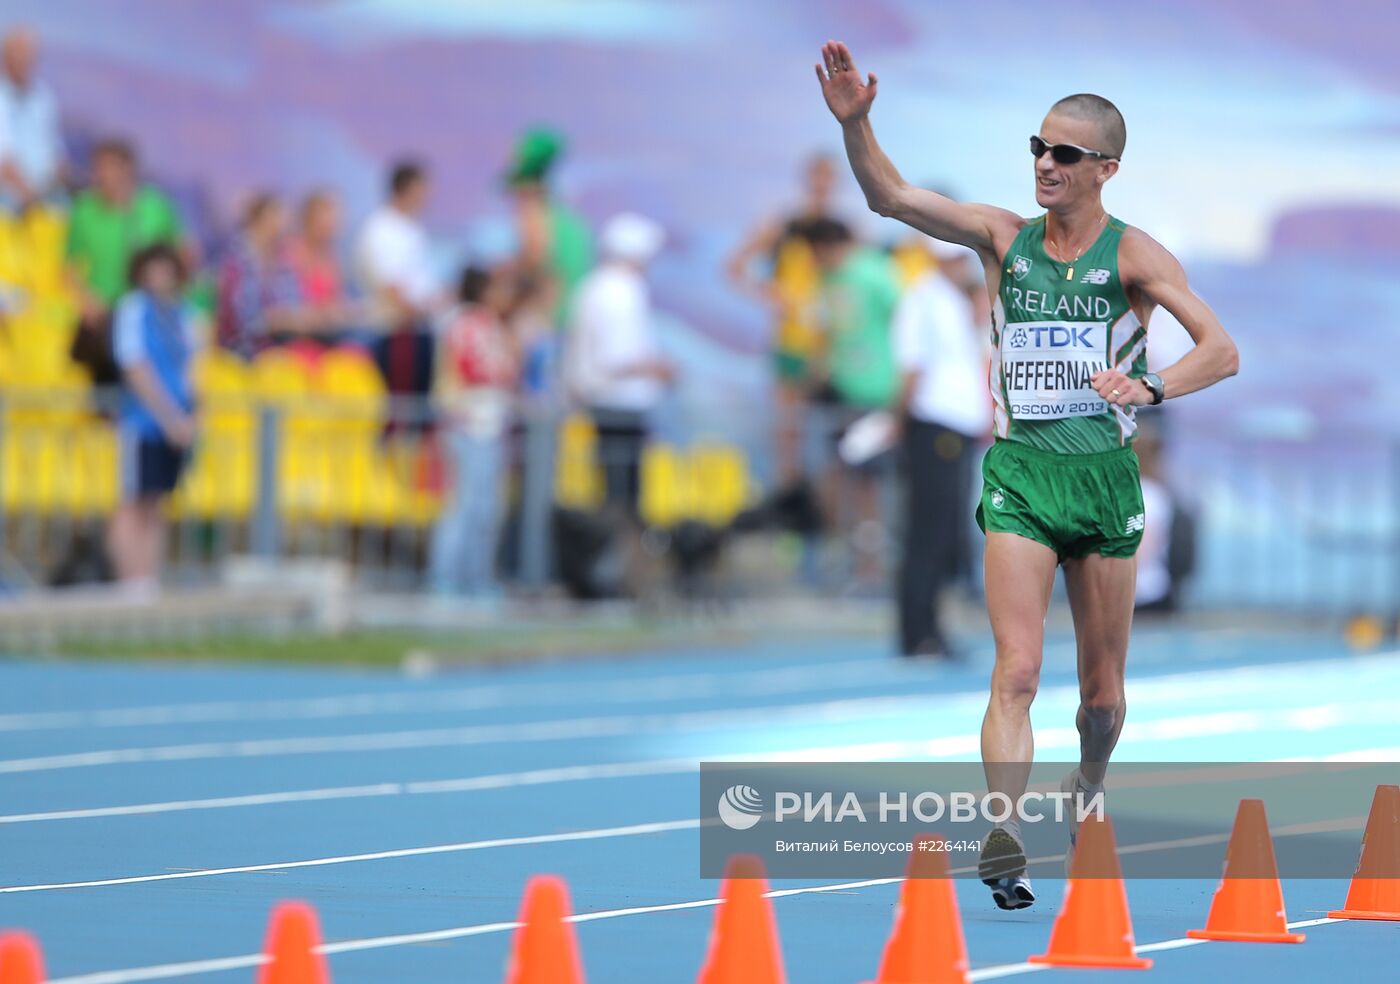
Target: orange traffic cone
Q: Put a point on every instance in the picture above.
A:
(1248, 905)
(1094, 928)
(544, 950)
(926, 945)
(744, 942)
(20, 959)
(1375, 888)
(292, 938)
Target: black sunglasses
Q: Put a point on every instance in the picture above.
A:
(1065, 153)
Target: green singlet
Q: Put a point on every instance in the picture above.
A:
(1051, 332)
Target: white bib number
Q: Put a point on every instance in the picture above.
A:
(1046, 367)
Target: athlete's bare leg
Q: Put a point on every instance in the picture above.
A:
(1101, 597)
(1019, 576)
(787, 438)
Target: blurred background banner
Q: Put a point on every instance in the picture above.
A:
(1262, 149)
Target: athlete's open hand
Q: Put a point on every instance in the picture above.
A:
(847, 96)
(1119, 390)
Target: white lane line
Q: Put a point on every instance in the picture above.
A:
(678, 686)
(1311, 718)
(1181, 943)
(164, 971)
(604, 833)
(431, 936)
(556, 730)
(212, 803)
(1050, 739)
(601, 833)
(503, 780)
(990, 973)
(1195, 683)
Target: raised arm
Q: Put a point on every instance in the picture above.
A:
(985, 228)
(1153, 276)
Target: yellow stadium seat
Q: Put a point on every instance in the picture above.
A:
(578, 481)
(222, 478)
(93, 472)
(285, 382)
(664, 496)
(218, 373)
(280, 376)
(44, 232)
(11, 251)
(348, 373)
(36, 336)
(720, 474)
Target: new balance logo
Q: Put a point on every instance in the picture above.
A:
(1095, 276)
(1135, 524)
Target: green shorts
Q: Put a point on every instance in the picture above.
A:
(1075, 504)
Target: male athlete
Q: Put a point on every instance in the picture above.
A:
(1072, 291)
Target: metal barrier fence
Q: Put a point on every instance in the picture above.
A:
(360, 480)
(1308, 525)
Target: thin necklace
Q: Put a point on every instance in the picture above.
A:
(1069, 274)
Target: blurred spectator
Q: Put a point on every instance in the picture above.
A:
(855, 369)
(259, 297)
(554, 239)
(1167, 556)
(944, 410)
(532, 322)
(859, 294)
(31, 144)
(395, 264)
(154, 337)
(477, 372)
(789, 285)
(614, 364)
(313, 255)
(108, 224)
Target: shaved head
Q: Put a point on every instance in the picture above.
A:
(1103, 114)
(17, 53)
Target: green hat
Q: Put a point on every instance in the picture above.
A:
(535, 151)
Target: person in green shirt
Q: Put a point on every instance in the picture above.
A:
(554, 239)
(854, 371)
(859, 293)
(109, 223)
(1073, 291)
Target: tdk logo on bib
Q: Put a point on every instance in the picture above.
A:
(1056, 336)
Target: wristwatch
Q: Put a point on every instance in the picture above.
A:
(1154, 385)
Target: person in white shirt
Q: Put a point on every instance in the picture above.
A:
(394, 254)
(393, 257)
(943, 409)
(31, 144)
(614, 365)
